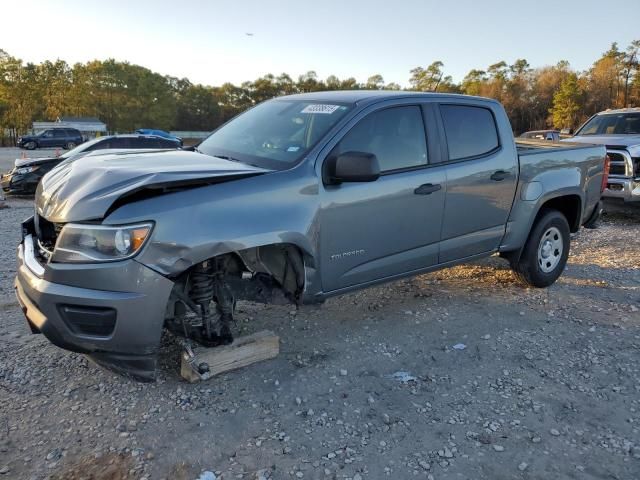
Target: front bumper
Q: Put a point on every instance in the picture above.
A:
(19, 184)
(114, 312)
(627, 189)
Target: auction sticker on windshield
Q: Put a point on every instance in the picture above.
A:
(320, 108)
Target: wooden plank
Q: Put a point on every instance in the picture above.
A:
(242, 352)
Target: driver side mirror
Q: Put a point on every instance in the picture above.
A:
(352, 167)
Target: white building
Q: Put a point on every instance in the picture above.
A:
(90, 127)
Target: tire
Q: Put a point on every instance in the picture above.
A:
(70, 145)
(545, 254)
(31, 145)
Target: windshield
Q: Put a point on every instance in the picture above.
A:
(612, 124)
(275, 134)
(80, 148)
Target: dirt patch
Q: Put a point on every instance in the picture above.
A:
(105, 467)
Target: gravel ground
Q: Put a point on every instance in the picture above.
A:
(368, 385)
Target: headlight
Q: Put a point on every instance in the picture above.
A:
(23, 170)
(79, 243)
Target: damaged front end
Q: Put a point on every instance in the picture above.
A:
(202, 302)
(114, 309)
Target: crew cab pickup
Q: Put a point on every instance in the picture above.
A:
(619, 131)
(298, 199)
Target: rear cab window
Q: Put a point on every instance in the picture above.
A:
(120, 142)
(149, 142)
(166, 143)
(470, 131)
(395, 135)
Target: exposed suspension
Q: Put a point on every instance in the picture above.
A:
(207, 285)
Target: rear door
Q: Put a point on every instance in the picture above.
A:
(374, 230)
(59, 138)
(481, 179)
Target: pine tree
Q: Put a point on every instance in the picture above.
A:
(567, 103)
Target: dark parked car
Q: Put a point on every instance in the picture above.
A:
(27, 172)
(158, 133)
(53, 137)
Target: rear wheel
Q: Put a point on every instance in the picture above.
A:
(546, 251)
(70, 145)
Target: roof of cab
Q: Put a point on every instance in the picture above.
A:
(136, 135)
(362, 96)
(620, 110)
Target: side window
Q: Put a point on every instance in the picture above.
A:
(48, 134)
(168, 144)
(394, 135)
(120, 142)
(59, 133)
(99, 145)
(148, 142)
(136, 142)
(470, 131)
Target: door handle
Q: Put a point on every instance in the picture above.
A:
(500, 175)
(427, 189)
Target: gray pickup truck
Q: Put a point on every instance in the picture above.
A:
(619, 131)
(298, 199)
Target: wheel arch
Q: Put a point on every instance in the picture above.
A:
(568, 203)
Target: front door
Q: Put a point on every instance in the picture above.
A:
(46, 139)
(391, 226)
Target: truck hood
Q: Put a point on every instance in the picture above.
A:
(615, 140)
(86, 190)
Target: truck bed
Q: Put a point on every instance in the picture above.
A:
(531, 146)
(585, 162)
(574, 169)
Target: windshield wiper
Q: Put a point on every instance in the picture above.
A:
(227, 157)
(233, 159)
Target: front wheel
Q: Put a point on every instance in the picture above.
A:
(546, 251)
(31, 145)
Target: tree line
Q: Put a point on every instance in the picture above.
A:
(127, 97)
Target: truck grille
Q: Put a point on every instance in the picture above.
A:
(47, 233)
(621, 164)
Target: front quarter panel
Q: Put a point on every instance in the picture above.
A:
(201, 223)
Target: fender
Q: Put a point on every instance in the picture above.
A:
(201, 223)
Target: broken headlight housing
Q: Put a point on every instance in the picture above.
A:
(78, 243)
(23, 170)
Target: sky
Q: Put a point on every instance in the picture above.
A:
(208, 41)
